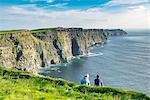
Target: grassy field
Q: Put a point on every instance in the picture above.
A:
(43, 29)
(13, 31)
(25, 30)
(19, 85)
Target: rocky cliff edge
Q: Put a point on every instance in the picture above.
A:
(30, 49)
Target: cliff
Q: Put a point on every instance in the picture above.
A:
(29, 49)
(116, 32)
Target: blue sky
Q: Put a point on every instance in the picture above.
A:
(30, 14)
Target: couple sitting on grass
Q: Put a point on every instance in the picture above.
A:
(97, 81)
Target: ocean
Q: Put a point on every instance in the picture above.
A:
(123, 62)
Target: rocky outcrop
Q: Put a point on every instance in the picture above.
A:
(114, 32)
(18, 50)
(27, 50)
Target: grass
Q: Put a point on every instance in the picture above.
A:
(59, 38)
(37, 41)
(24, 30)
(19, 85)
(12, 31)
(42, 30)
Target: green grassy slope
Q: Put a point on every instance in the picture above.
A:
(12, 31)
(25, 30)
(21, 85)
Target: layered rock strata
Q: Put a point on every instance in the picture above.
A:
(30, 49)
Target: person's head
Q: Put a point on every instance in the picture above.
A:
(97, 76)
(86, 76)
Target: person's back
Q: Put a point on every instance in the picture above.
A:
(85, 80)
(97, 81)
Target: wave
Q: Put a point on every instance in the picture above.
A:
(95, 46)
(108, 40)
(90, 54)
(77, 57)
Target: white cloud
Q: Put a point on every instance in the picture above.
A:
(61, 5)
(137, 17)
(48, 1)
(137, 8)
(125, 2)
(24, 17)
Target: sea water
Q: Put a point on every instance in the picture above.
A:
(123, 62)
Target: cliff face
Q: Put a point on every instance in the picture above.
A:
(116, 32)
(19, 50)
(28, 50)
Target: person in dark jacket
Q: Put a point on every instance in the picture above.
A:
(98, 81)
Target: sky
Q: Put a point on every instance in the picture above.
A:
(106, 14)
